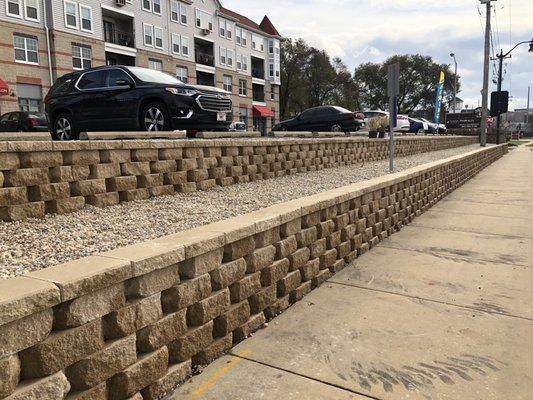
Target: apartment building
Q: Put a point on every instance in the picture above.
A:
(199, 41)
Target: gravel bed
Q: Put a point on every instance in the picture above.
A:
(39, 243)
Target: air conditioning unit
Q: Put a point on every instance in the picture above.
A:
(206, 31)
(120, 3)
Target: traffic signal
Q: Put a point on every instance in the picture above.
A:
(499, 103)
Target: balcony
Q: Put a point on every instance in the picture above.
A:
(204, 59)
(258, 93)
(113, 36)
(258, 68)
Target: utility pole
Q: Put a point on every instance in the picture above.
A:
(454, 84)
(501, 57)
(485, 91)
(527, 109)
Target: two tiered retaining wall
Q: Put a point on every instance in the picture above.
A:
(132, 322)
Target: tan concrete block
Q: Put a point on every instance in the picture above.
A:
(301, 291)
(260, 258)
(162, 332)
(23, 211)
(289, 283)
(88, 187)
(175, 178)
(108, 170)
(163, 166)
(49, 191)
(262, 299)
(61, 349)
(307, 236)
(36, 327)
(86, 275)
(214, 350)
(115, 156)
(170, 154)
(299, 258)
(322, 276)
(13, 195)
(310, 270)
(65, 206)
(150, 180)
(285, 247)
(202, 263)
(98, 392)
(187, 164)
(228, 274)
(208, 309)
(9, 374)
(144, 154)
(206, 184)
(9, 161)
(52, 387)
(176, 374)
(236, 316)
(246, 287)
(153, 282)
(326, 228)
(88, 307)
(104, 199)
(100, 366)
(328, 258)
(133, 317)
(269, 236)
(83, 157)
(255, 322)
(194, 341)
(26, 177)
(69, 173)
(275, 272)
(146, 370)
(135, 168)
(186, 293)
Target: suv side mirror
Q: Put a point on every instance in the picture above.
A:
(124, 82)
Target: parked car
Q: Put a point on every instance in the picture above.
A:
(114, 98)
(321, 119)
(237, 126)
(374, 113)
(23, 121)
(402, 123)
(417, 126)
(432, 127)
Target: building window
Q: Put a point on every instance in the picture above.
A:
(14, 8)
(271, 47)
(240, 36)
(175, 43)
(157, 6)
(182, 73)
(148, 35)
(243, 116)
(26, 49)
(158, 34)
(242, 62)
(230, 58)
(147, 5)
(185, 46)
(30, 105)
(155, 64)
(183, 14)
(31, 10)
(174, 11)
(71, 15)
(225, 28)
(243, 89)
(204, 20)
(86, 14)
(227, 83)
(81, 57)
(223, 56)
(273, 93)
(271, 70)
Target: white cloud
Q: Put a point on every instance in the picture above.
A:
(371, 30)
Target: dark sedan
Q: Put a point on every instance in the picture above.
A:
(321, 119)
(115, 98)
(23, 121)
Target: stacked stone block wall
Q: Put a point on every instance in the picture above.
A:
(132, 323)
(61, 177)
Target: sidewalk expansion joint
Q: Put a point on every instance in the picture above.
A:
(464, 231)
(435, 210)
(368, 396)
(487, 202)
(432, 301)
(456, 256)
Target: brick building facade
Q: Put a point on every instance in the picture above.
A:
(199, 41)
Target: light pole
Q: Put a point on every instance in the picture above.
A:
(454, 83)
(485, 91)
(502, 57)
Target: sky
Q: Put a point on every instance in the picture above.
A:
(361, 31)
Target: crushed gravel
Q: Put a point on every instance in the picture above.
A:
(34, 244)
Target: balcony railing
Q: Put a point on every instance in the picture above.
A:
(121, 38)
(205, 59)
(258, 73)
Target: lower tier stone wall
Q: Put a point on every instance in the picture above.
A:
(132, 323)
(61, 177)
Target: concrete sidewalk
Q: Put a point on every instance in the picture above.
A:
(441, 310)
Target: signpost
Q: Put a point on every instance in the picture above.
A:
(393, 90)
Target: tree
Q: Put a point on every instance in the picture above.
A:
(418, 81)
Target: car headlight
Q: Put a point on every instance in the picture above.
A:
(182, 91)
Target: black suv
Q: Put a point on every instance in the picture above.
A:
(321, 119)
(115, 98)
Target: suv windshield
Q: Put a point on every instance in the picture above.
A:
(152, 76)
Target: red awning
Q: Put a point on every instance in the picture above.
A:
(262, 111)
(4, 89)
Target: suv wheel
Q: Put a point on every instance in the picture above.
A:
(154, 118)
(336, 128)
(64, 128)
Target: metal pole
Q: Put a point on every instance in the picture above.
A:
(527, 109)
(485, 91)
(498, 118)
(394, 106)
